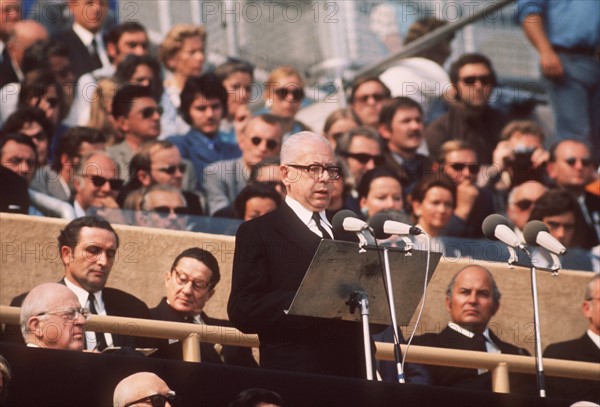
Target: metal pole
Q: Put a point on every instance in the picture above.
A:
(539, 363)
(364, 312)
(392, 307)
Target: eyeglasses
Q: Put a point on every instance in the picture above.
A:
(585, 162)
(377, 97)
(296, 94)
(70, 313)
(555, 225)
(485, 80)
(458, 167)
(271, 144)
(156, 400)
(149, 111)
(364, 158)
(182, 279)
(317, 170)
(165, 211)
(172, 169)
(524, 204)
(115, 183)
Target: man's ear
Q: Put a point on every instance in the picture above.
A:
(144, 177)
(551, 169)
(111, 50)
(33, 326)
(384, 132)
(448, 304)
(66, 254)
(211, 293)
(417, 208)
(122, 123)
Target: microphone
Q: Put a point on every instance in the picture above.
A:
(536, 234)
(346, 221)
(496, 227)
(384, 227)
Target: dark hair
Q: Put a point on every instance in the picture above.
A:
(69, 236)
(141, 159)
(19, 117)
(126, 97)
(231, 66)
(206, 258)
(467, 59)
(361, 81)
(116, 32)
(71, 141)
(39, 53)
(36, 84)
(18, 138)
(255, 190)
(378, 172)
(267, 162)
(255, 397)
(208, 86)
(345, 140)
(420, 190)
(390, 107)
(130, 63)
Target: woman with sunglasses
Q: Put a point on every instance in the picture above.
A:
(284, 93)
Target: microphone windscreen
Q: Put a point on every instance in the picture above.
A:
(531, 231)
(376, 222)
(488, 227)
(338, 220)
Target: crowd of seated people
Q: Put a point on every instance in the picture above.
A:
(107, 125)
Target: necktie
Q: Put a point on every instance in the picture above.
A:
(317, 218)
(100, 341)
(96, 61)
(479, 342)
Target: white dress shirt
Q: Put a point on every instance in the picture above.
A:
(305, 216)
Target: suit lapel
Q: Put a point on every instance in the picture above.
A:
(289, 225)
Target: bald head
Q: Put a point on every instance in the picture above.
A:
(25, 33)
(138, 386)
(303, 143)
(45, 321)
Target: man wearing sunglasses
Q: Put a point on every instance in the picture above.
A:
(224, 180)
(272, 254)
(458, 162)
(571, 167)
(401, 127)
(137, 116)
(471, 118)
(143, 389)
(96, 183)
(162, 206)
(366, 99)
(52, 317)
(521, 201)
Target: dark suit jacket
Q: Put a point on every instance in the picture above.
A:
(580, 349)
(233, 355)
(469, 378)
(272, 254)
(410, 172)
(7, 72)
(79, 55)
(117, 303)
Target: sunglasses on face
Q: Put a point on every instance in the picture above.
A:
(364, 158)
(585, 162)
(293, 94)
(156, 400)
(115, 183)
(524, 204)
(377, 97)
(165, 211)
(458, 167)
(172, 169)
(149, 111)
(485, 80)
(271, 144)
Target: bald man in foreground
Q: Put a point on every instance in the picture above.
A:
(143, 388)
(52, 317)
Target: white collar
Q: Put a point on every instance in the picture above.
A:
(86, 36)
(79, 211)
(82, 295)
(594, 337)
(467, 333)
(304, 214)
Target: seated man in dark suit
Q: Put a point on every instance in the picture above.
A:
(87, 247)
(585, 349)
(189, 285)
(472, 299)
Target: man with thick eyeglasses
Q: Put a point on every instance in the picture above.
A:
(52, 317)
(458, 163)
(137, 116)
(272, 254)
(471, 118)
(158, 162)
(571, 167)
(96, 183)
(585, 349)
(401, 127)
(224, 180)
(189, 285)
(88, 247)
(143, 389)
